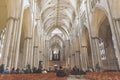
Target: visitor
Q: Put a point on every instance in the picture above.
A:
(39, 70)
(17, 71)
(13, 71)
(60, 72)
(1, 68)
(75, 70)
(34, 70)
(90, 70)
(28, 70)
(44, 71)
(21, 71)
(6, 71)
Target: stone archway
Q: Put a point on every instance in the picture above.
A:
(108, 58)
(102, 35)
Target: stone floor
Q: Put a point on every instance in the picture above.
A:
(73, 77)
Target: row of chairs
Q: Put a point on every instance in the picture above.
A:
(48, 76)
(103, 75)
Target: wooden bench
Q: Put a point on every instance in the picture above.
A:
(48, 76)
(103, 75)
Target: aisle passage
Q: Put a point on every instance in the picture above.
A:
(72, 77)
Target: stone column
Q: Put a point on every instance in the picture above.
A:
(97, 57)
(77, 58)
(82, 62)
(70, 56)
(73, 60)
(24, 54)
(35, 56)
(12, 45)
(31, 52)
(46, 54)
(117, 28)
(63, 55)
(27, 50)
(7, 41)
(84, 55)
(115, 31)
(90, 34)
(66, 51)
(15, 43)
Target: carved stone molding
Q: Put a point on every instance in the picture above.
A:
(12, 18)
(28, 38)
(35, 46)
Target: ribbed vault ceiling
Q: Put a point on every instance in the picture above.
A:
(57, 13)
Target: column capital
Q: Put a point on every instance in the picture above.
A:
(37, 19)
(84, 46)
(28, 38)
(116, 19)
(35, 46)
(40, 51)
(95, 37)
(12, 18)
(73, 54)
(77, 51)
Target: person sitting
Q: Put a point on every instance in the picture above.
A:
(28, 70)
(44, 71)
(6, 71)
(21, 71)
(60, 72)
(17, 71)
(34, 70)
(39, 70)
(75, 70)
(13, 71)
(90, 69)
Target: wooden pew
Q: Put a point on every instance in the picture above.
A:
(103, 75)
(48, 76)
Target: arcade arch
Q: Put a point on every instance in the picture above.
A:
(101, 30)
